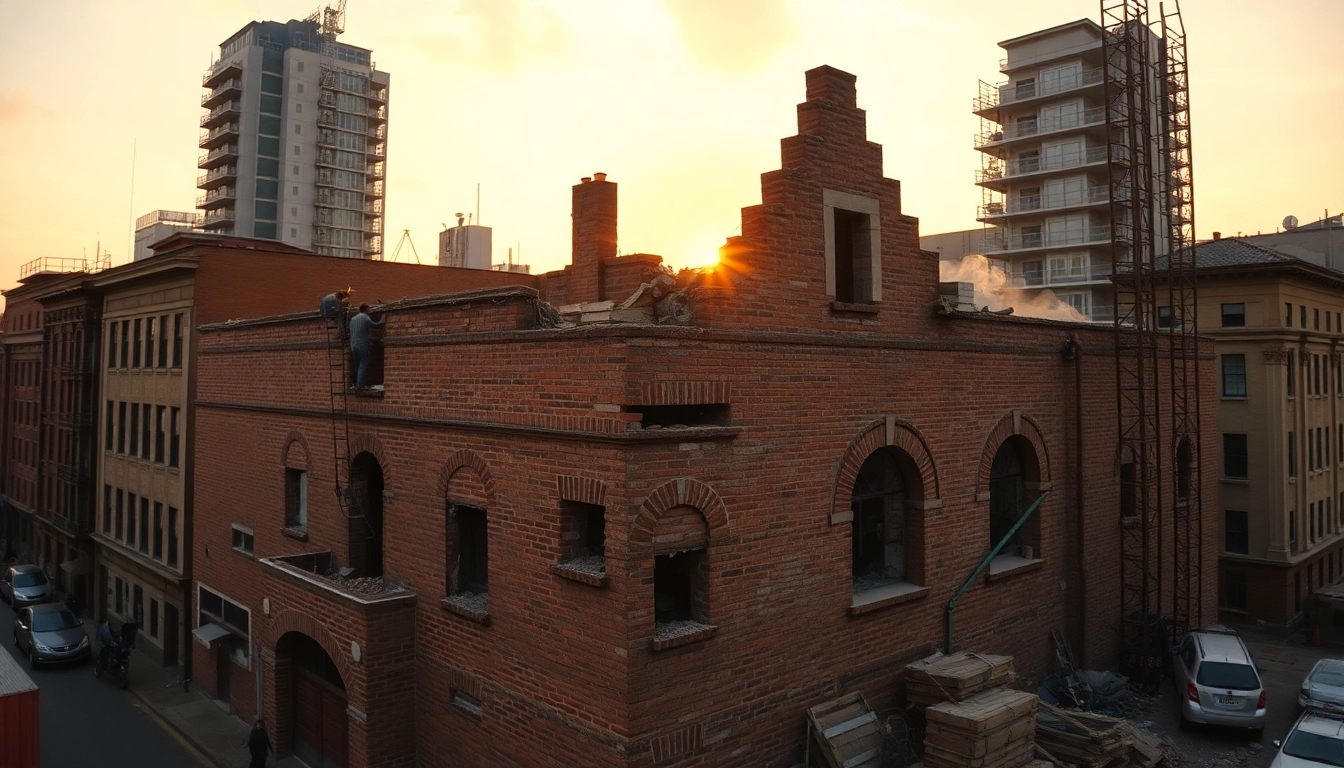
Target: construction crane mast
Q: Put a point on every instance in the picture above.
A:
(1152, 221)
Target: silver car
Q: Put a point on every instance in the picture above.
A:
(25, 585)
(1218, 682)
(1323, 690)
(1316, 741)
(50, 633)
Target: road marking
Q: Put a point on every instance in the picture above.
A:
(177, 736)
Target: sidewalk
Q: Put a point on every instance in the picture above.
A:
(215, 733)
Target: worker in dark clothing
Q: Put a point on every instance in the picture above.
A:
(359, 344)
(259, 744)
(335, 308)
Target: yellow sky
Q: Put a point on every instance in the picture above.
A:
(681, 101)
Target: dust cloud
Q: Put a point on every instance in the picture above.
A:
(992, 289)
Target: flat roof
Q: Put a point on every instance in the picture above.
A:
(1083, 23)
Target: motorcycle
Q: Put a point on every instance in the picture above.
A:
(118, 656)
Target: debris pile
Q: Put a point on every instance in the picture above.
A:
(995, 728)
(955, 677)
(1069, 738)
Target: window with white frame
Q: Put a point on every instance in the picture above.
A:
(215, 608)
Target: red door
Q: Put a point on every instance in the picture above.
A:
(320, 722)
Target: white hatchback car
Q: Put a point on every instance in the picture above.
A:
(1316, 741)
(1218, 682)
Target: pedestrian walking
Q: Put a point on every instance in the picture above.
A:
(259, 744)
(360, 325)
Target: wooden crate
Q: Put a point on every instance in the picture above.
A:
(955, 677)
(847, 732)
(985, 711)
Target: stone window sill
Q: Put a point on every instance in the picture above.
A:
(584, 571)
(375, 392)
(674, 634)
(244, 553)
(846, 306)
(1237, 480)
(885, 596)
(1008, 566)
(474, 608)
(296, 532)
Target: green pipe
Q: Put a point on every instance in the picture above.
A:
(993, 553)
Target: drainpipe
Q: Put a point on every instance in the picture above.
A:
(993, 553)
(1074, 351)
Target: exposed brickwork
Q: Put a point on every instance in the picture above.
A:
(482, 407)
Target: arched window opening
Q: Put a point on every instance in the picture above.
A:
(316, 725)
(680, 573)
(1010, 473)
(880, 541)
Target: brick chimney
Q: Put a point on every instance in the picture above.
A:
(594, 226)
(834, 85)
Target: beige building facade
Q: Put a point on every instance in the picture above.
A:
(143, 473)
(1279, 329)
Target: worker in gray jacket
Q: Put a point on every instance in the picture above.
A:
(359, 344)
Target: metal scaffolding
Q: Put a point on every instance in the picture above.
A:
(1152, 221)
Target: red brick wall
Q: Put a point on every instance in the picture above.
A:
(481, 407)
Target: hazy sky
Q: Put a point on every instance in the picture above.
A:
(682, 102)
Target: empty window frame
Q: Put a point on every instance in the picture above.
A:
(473, 564)
(144, 525)
(136, 343)
(296, 498)
(125, 343)
(1164, 317)
(242, 539)
(158, 531)
(1236, 532)
(878, 546)
(583, 530)
(1234, 375)
(1235, 460)
(121, 428)
(179, 330)
(172, 537)
(679, 587)
(853, 247)
(1292, 454)
(175, 435)
(1292, 374)
(159, 413)
(1234, 315)
(1288, 315)
(163, 341)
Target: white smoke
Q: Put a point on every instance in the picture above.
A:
(993, 289)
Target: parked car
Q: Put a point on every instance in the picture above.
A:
(1316, 740)
(1218, 682)
(25, 585)
(1323, 688)
(50, 633)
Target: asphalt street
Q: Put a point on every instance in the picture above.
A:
(90, 722)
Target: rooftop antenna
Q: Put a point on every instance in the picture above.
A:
(130, 235)
(478, 202)
(406, 240)
(461, 217)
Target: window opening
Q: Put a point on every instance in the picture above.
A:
(1234, 375)
(711, 415)
(296, 498)
(1008, 499)
(1234, 315)
(1235, 460)
(853, 257)
(242, 539)
(583, 537)
(1236, 532)
(473, 567)
(1183, 469)
(878, 536)
(679, 587)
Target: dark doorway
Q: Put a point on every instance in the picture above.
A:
(170, 630)
(366, 521)
(320, 723)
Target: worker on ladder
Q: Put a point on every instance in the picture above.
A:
(335, 308)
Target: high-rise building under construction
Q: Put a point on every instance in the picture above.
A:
(294, 138)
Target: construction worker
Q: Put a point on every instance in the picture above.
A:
(359, 344)
(335, 308)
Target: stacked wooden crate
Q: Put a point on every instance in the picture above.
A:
(995, 728)
(955, 677)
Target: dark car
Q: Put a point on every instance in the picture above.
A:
(50, 633)
(25, 585)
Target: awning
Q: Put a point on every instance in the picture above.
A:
(209, 634)
(76, 567)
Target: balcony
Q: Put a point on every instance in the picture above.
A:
(378, 114)
(218, 135)
(55, 265)
(216, 197)
(378, 132)
(994, 96)
(229, 88)
(1034, 203)
(226, 111)
(217, 217)
(374, 208)
(373, 244)
(996, 171)
(216, 177)
(218, 156)
(1071, 275)
(1022, 129)
(374, 189)
(375, 171)
(997, 242)
(377, 150)
(216, 73)
(376, 227)
(377, 94)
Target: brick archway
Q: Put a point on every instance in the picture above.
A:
(296, 459)
(366, 443)
(1012, 424)
(682, 492)
(297, 621)
(466, 458)
(893, 433)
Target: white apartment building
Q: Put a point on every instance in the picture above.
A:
(294, 140)
(1044, 175)
(156, 226)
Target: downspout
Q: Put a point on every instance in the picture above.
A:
(1074, 350)
(993, 553)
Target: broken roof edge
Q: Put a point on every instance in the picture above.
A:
(440, 299)
(998, 316)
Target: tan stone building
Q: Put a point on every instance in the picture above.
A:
(1277, 322)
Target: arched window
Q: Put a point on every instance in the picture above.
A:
(879, 526)
(1014, 467)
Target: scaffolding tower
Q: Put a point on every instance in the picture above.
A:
(1152, 220)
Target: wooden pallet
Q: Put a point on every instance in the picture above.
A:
(955, 677)
(847, 732)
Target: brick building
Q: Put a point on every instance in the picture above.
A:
(657, 542)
